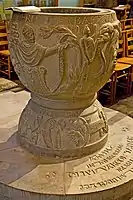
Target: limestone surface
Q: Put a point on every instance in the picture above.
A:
(106, 174)
(63, 56)
(64, 147)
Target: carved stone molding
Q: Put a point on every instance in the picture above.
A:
(63, 56)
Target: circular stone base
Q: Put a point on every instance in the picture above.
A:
(105, 175)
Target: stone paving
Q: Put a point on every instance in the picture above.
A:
(125, 106)
(11, 105)
(30, 177)
(6, 84)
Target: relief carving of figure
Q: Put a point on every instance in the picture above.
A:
(104, 46)
(57, 133)
(31, 55)
(30, 52)
(88, 45)
(107, 44)
(69, 69)
(74, 75)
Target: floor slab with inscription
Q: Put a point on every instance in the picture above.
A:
(105, 175)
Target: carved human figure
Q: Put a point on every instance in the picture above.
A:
(95, 48)
(69, 69)
(88, 44)
(57, 133)
(89, 48)
(108, 40)
(31, 54)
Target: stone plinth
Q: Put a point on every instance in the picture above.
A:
(106, 174)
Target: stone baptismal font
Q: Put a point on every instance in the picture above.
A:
(65, 147)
